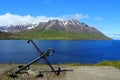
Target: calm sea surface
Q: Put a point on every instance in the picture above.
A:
(66, 51)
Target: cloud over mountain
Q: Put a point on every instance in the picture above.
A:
(8, 18)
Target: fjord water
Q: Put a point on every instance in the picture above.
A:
(66, 51)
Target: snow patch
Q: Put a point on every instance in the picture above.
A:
(66, 22)
(31, 27)
(72, 22)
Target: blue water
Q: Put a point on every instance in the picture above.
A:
(66, 51)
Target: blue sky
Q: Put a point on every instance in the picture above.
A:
(102, 14)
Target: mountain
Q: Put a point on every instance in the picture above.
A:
(69, 29)
(69, 26)
(17, 28)
(52, 29)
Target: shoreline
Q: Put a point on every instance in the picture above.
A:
(115, 64)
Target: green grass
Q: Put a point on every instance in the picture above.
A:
(52, 35)
(55, 35)
(115, 64)
(4, 35)
(109, 63)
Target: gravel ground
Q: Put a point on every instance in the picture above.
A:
(78, 73)
(93, 73)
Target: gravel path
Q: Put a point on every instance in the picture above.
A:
(78, 73)
(93, 73)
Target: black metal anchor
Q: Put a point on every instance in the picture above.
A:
(49, 52)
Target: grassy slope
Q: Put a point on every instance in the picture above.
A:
(54, 35)
(4, 35)
(8, 36)
(109, 63)
(115, 64)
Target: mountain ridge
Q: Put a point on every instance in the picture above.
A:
(58, 29)
(71, 25)
(69, 29)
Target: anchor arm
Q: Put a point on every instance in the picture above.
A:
(27, 65)
(44, 55)
(35, 46)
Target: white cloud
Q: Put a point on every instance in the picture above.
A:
(80, 16)
(98, 18)
(8, 18)
(75, 16)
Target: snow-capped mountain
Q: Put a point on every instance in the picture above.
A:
(54, 29)
(71, 25)
(17, 28)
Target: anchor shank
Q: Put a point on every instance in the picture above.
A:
(27, 65)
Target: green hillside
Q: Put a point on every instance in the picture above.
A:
(55, 35)
(4, 35)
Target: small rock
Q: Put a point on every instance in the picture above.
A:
(33, 72)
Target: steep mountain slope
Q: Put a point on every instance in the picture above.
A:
(69, 29)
